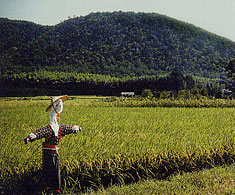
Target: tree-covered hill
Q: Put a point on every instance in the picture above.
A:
(118, 43)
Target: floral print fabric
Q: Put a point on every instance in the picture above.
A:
(49, 135)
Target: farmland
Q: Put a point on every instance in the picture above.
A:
(119, 144)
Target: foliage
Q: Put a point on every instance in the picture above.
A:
(231, 69)
(117, 44)
(231, 73)
(72, 83)
(147, 93)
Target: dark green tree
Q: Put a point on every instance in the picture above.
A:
(176, 80)
(230, 68)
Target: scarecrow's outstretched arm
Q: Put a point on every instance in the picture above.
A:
(38, 134)
(68, 129)
(30, 138)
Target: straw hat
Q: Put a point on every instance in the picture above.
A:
(56, 98)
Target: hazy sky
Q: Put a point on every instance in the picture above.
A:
(217, 16)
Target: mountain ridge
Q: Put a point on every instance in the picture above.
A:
(117, 43)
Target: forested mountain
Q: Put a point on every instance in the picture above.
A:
(118, 44)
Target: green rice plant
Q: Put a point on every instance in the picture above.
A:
(168, 102)
(118, 144)
(219, 180)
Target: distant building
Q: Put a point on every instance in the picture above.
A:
(127, 94)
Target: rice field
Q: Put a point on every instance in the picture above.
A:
(118, 144)
(216, 181)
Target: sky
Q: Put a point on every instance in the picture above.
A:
(216, 16)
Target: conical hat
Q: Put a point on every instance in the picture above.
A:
(56, 98)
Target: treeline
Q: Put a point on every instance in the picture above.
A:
(118, 44)
(56, 83)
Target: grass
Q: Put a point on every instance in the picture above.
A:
(218, 180)
(118, 144)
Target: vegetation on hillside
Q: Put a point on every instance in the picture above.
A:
(230, 68)
(73, 83)
(117, 44)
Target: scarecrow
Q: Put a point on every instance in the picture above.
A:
(52, 134)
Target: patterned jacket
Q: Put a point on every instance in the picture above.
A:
(49, 135)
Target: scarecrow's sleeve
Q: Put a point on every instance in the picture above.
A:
(68, 129)
(41, 133)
